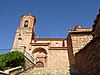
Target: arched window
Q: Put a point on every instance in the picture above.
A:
(26, 24)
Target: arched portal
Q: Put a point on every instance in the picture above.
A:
(39, 64)
(41, 55)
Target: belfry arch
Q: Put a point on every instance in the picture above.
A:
(41, 55)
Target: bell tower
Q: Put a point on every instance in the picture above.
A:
(25, 32)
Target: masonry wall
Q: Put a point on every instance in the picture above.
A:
(58, 58)
(79, 40)
(96, 26)
(70, 50)
(88, 59)
(57, 53)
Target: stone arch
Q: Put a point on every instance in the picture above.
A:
(39, 52)
(41, 55)
(39, 64)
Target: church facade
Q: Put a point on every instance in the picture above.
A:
(50, 52)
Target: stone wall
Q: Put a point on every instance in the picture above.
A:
(88, 58)
(96, 26)
(58, 58)
(76, 40)
(52, 52)
(79, 40)
(70, 50)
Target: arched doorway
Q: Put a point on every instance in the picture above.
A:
(39, 64)
(41, 55)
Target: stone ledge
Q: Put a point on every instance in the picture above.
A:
(58, 48)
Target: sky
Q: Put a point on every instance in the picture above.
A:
(54, 17)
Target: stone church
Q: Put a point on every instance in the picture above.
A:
(50, 52)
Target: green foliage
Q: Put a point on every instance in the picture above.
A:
(11, 59)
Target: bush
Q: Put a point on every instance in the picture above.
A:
(11, 59)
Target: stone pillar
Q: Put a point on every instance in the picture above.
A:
(23, 48)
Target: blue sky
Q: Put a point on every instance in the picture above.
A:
(54, 17)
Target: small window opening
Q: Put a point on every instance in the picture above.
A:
(26, 24)
(56, 44)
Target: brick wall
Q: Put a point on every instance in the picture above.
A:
(88, 59)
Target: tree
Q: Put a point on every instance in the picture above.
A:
(11, 59)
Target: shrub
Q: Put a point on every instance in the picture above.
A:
(11, 59)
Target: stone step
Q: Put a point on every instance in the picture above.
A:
(48, 71)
